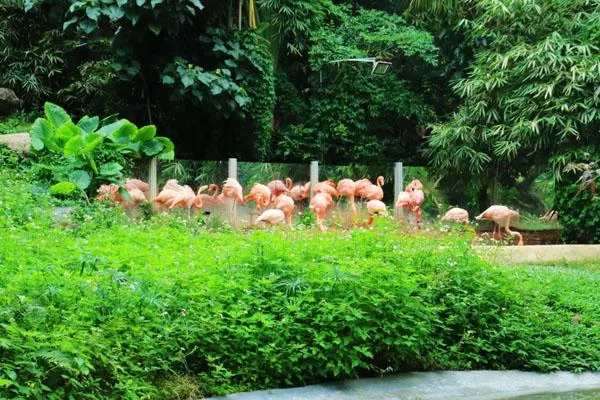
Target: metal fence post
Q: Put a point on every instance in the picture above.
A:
(398, 188)
(314, 176)
(232, 173)
(152, 177)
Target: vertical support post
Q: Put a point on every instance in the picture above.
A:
(153, 178)
(232, 173)
(398, 188)
(314, 176)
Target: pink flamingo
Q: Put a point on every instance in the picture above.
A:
(412, 198)
(300, 192)
(277, 187)
(361, 185)
(375, 207)
(501, 214)
(374, 192)
(319, 204)
(285, 203)
(260, 194)
(271, 216)
(347, 188)
(328, 187)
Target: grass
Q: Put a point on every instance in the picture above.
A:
(16, 123)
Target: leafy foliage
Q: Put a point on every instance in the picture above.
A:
(532, 89)
(75, 150)
(370, 33)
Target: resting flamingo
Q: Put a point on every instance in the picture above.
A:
(458, 215)
(347, 188)
(375, 207)
(300, 192)
(271, 216)
(328, 187)
(374, 192)
(501, 214)
(175, 195)
(231, 190)
(361, 185)
(207, 199)
(277, 187)
(319, 204)
(260, 194)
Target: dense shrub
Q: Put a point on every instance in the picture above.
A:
(579, 214)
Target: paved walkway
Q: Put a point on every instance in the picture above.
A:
(540, 253)
(446, 385)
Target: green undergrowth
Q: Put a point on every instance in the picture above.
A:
(105, 307)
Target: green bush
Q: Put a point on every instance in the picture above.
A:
(579, 214)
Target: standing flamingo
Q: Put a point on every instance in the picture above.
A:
(412, 198)
(319, 204)
(374, 192)
(501, 214)
(285, 203)
(347, 188)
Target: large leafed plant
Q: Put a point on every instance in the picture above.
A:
(80, 150)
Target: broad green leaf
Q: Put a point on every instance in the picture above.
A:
(56, 114)
(155, 28)
(166, 142)
(73, 147)
(69, 23)
(6, 383)
(187, 81)
(168, 80)
(88, 124)
(91, 141)
(108, 130)
(145, 133)
(65, 132)
(42, 132)
(93, 13)
(63, 188)
(140, 2)
(80, 178)
(124, 134)
(110, 169)
(152, 147)
(166, 155)
(153, 3)
(114, 13)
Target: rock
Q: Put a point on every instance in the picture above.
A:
(19, 142)
(8, 101)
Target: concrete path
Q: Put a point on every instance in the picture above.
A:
(540, 253)
(446, 385)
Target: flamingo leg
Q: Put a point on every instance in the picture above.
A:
(352, 204)
(513, 233)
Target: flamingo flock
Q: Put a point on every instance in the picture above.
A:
(275, 202)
